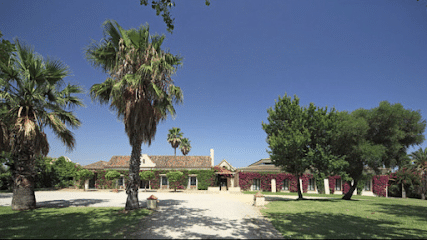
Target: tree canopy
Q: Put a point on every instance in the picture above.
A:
(376, 138)
(163, 7)
(299, 138)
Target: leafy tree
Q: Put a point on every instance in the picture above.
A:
(65, 170)
(419, 159)
(112, 175)
(30, 100)
(299, 138)
(139, 89)
(163, 7)
(173, 178)
(46, 176)
(185, 146)
(175, 137)
(375, 138)
(147, 176)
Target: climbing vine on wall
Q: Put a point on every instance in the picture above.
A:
(246, 180)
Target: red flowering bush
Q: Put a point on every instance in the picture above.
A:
(380, 184)
(332, 181)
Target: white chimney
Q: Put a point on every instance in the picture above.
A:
(212, 156)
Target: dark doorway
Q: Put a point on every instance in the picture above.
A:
(223, 184)
(92, 181)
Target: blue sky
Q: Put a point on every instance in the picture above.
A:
(239, 56)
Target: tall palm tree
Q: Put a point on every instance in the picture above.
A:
(139, 88)
(185, 146)
(30, 100)
(419, 160)
(175, 137)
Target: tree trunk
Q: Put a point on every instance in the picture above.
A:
(350, 192)
(23, 181)
(133, 185)
(403, 191)
(175, 152)
(299, 188)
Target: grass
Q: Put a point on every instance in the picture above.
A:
(70, 222)
(363, 217)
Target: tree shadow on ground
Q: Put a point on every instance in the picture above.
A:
(275, 198)
(172, 220)
(68, 203)
(418, 212)
(339, 226)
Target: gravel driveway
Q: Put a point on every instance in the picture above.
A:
(180, 214)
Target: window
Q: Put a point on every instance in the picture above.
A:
(193, 181)
(164, 181)
(120, 181)
(368, 185)
(311, 184)
(285, 185)
(338, 184)
(256, 184)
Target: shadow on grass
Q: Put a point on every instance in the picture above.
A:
(68, 222)
(68, 203)
(398, 210)
(339, 226)
(187, 222)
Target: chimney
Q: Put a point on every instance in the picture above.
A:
(212, 156)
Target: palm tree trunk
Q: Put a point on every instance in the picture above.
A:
(349, 194)
(175, 151)
(133, 185)
(23, 182)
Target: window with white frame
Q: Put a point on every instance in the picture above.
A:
(338, 184)
(368, 185)
(311, 184)
(256, 185)
(285, 185)
(164, 181)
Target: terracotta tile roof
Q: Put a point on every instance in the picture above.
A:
(182, 161)
(118, 162)
(96, 165)
(185, 162)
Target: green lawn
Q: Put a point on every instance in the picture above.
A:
(70, 222)
(364, 217)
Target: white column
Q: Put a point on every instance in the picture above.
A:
(300, 184)
(326, 183)
(273, 185)
(86, 184)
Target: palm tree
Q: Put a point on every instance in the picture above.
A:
(175, 137)
(185, 146)
(139, 87)
(419, 160)
(30, 100)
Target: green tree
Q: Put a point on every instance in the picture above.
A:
(147, 176)
(139, 89)
(112, 175)
(66, 171)
(30, 100)
(299, 138)
(174, 178)
(175, 137)
(185, 146)
(419, 161)
(375, 138)
(163, 7)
